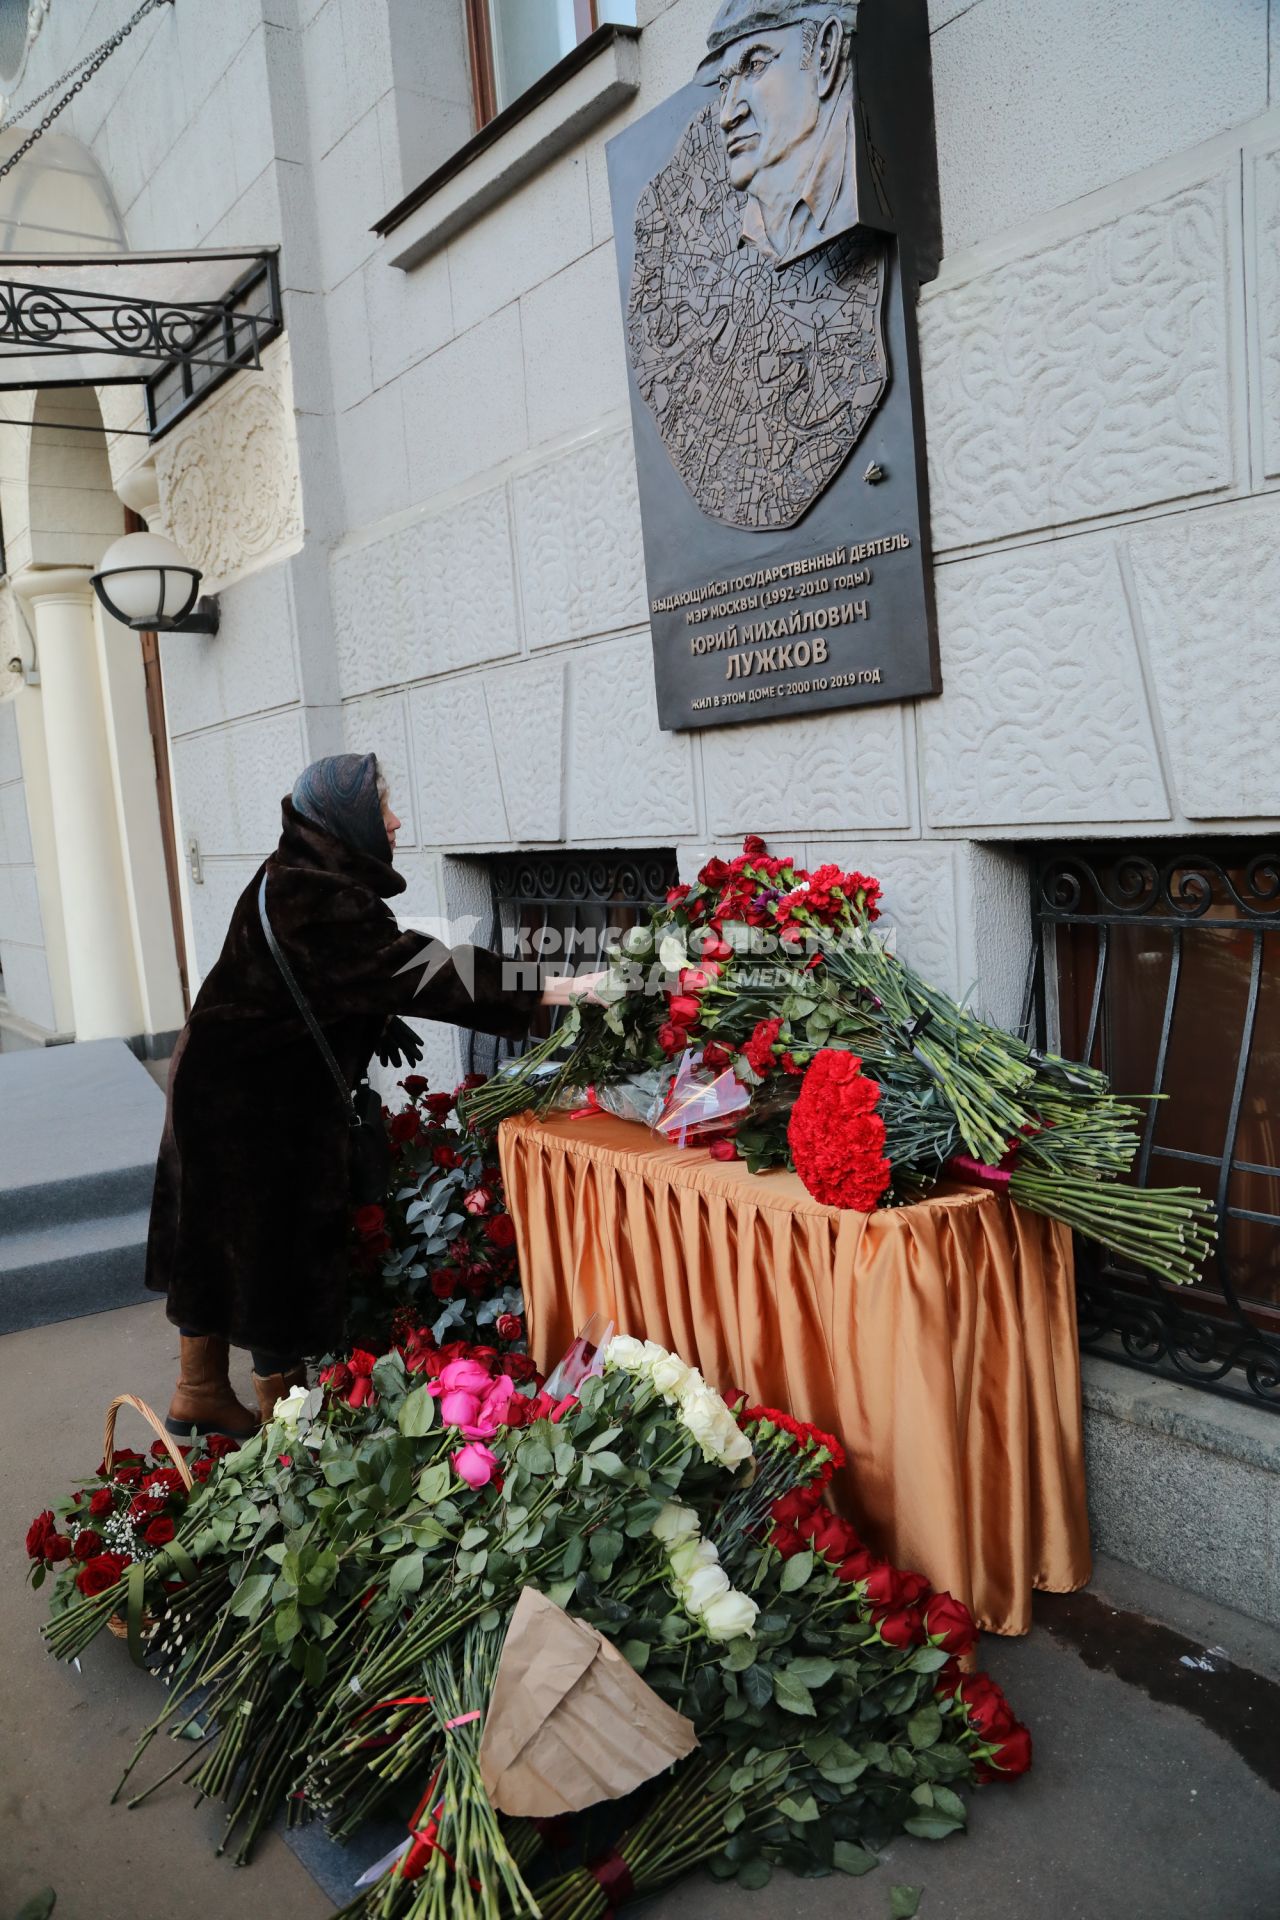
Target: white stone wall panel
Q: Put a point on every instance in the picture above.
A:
(579, 541)
(459, 792)
(231, 779)
(1088, 377)
(246, 667)
(1208, 587)
(625, 780)
(26, 984)
(213, 902)
(1266, 266)
(1044, 717)
(526, 714)
(379, 725)
(812, 772)
(919, 898)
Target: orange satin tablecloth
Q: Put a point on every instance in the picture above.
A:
(938, 1341)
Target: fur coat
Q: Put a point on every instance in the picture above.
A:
(249, 1234)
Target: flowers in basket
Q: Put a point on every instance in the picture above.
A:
(441, 1249)
(353, 1569)
(784, 1031)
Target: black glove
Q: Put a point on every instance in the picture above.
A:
(399, 1045)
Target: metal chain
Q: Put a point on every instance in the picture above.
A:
(87, 71)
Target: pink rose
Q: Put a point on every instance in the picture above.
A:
(478, 1200)
(492, 1411)
(458, 1409)
(474, 1463)
(466, 1376)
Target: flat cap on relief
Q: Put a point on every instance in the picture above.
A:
(739, 17)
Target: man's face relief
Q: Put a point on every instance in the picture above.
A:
(772, 86)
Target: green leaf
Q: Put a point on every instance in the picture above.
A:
(754, 1874)
(792, 1693)
(417, 1414)
(795, 1572)
(931, 1826)
(757, 1684)
(813, 1672)
(924, 1727)
(536, 1457)
(565, 1455)
(608, 1464)
(251, 1595)
(852, 1859)
(604, 1439)
(315, 1665)
(433, 1483)
(929, 1659)
(287, 1622)
(799, 1810)
(605, 1547)
(406, 1575)
(904, 1902)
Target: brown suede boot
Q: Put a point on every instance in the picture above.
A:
(274, 1387)
(203, 1398)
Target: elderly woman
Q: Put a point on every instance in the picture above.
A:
(250, 1214)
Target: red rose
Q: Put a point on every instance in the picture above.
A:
(439, 1105)
(792, 1507)
(509, 1327)
(87, 1543)
(144, 1506)
(96, 1575)
(828, 1535)
(444, 1283)
(369, 1220)
(753, 846)
(221, 1444)
(950, 1624)
(672, 1039)
(676, 896)
(41, 1530)
(405, 1126)
(715, 1056)
(476, 1282)
(882, 1585)
(414, 1084)
(446, 1158)
(519, 1411)
(856, 1566)
(165, 1482)
(901, 1627)
(477, 1201)
(986, 1708)
(913, 1588)
(684, 1009)
(723, 1150)
(946, 1682)
(201, 1469)
(520, 1366)
(1013, 1753)
(337, 1378)
(129, 1476)
(57, 1547)
(101, 1502)
(501, 1230)
(160, 1532)
(787, 1541)
(362, 1364)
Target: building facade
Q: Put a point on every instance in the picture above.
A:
(420, 514)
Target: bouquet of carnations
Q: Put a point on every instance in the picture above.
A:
(344, 1584)
(765, 978)
(441, 1247)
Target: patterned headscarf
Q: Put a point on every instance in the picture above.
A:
(340, 795)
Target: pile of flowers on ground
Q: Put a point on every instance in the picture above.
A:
(330, 1612)
(782, 1031)
(441, 1248)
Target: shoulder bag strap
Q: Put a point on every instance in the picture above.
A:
(313, 1025)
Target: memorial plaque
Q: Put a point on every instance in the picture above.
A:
(768, 303)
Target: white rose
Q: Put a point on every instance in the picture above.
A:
(703, 1413)
(734, 1444)
(671, 1376)
(676, 1524)
(730, 1615)
(704, 1586)
(625, 1352)
(687, 1558)
(287, 1411)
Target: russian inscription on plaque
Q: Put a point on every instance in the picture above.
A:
(771, 355)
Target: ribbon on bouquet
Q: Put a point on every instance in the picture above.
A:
(591, 1106)
(412, 1855)
(613, 1876)
(996, 1178)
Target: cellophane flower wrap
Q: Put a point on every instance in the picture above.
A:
(863, 1078)
(350, 1571)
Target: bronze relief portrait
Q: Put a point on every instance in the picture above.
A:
(754, 325)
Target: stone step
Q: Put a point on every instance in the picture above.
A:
(83, 1266)
(94, 1196)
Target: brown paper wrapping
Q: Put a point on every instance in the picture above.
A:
(570, 1722)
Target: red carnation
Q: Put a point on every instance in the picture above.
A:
(87, 1543)
(160, 1532)
(509, 1327)
(836, 1137)
(96, 1575)
(949, 1624)
(758, 1051)
(501, 1230)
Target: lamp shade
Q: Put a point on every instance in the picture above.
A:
(144, 580)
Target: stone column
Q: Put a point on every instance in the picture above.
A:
(95, 906)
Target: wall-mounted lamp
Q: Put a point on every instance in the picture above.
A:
(145, 581)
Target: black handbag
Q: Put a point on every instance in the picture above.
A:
(369, 1159)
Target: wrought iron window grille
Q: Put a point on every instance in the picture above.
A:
(1164, 959)
(555, 912)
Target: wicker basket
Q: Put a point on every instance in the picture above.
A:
(117, 1624)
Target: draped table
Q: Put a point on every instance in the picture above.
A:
(937, 1341)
